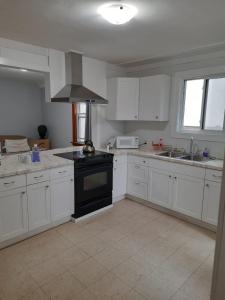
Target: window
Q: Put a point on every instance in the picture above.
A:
(79, 120)
(204, 104)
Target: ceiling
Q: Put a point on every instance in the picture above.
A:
(161, 28)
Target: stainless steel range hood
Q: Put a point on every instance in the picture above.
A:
(74, 91)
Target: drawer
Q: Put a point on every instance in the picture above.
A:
(214, 175)
(119, 159)
(138, 171)
(137, 188)
(37, 177)
(62, 172)
(138, 160)
(12, 182)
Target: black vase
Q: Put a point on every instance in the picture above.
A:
(42, 130)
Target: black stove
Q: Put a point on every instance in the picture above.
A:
(93, 174)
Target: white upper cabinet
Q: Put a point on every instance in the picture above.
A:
(21, 55)
(57, 71)
(144, 99)
(123, 96)
(154, 98)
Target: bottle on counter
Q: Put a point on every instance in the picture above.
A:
(35, 155)
(205, 153)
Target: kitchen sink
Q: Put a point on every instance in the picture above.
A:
(173, 154)
(195, 158)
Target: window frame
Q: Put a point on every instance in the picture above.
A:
(75, 122)
(203, 108)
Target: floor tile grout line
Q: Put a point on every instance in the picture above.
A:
(190, 276)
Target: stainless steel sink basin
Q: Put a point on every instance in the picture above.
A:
(195, 158)
(173, 154)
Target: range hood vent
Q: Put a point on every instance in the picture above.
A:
(74, 91)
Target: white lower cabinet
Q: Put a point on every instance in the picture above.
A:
(13, 213)
(211, 202)
(160, 188)
(137, 188)
(119, 177)
(188, 195)
(39, 205)
(62, 198)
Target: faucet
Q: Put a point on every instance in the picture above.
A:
(191, 147)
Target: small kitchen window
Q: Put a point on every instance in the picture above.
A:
(79, 115)
(203, 105)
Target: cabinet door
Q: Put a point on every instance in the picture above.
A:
(119, 180)
(188, 195)
(123, 96)
(211, 202)
(13, 213)
(62, 198)
(160, 187)
(39, 205)
(154, 98)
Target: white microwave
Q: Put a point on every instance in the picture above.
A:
(127, 142)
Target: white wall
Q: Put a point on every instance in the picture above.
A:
(20, 108)
(152, 131)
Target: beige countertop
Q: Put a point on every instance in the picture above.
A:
(12, 166)
(215, 164)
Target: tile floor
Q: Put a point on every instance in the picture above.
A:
(129, 252)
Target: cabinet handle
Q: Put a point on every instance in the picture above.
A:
(156, 117)
(175, 177)
(37, 177)
(217, 176)
(115, 160)
(207, 185)
(170, 176)
(47, 186)
(71, 180)
(135, 116)
(144, 161)
(137, 167)
(7, 183)
(23, 193)
(137, 182)
(62, 172)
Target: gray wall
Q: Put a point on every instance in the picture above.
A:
(20, 108)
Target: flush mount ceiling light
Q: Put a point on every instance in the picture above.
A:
(117, 13)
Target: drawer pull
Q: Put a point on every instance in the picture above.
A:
(62, 172)
(137, 167)
(175, 177)
(8, 183)
(137, 182)
(71, 180)
(170, 176)
(207, 185)
(217, 176)
(23, 193)
(37, 177)
(144, 161)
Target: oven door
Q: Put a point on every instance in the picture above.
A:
(93, 181)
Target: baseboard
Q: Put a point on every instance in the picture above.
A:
(118, 198)
(173, 213)
(31, 233)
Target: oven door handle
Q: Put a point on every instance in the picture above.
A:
(90, 170)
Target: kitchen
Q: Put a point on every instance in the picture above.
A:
(130, 209)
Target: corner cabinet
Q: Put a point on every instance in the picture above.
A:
(154, 98)
(123, 96)
(143, 99)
